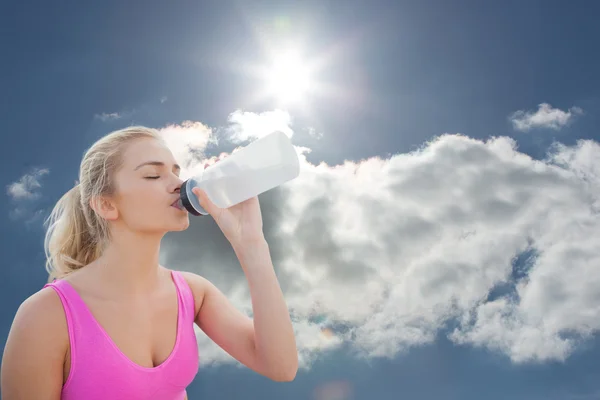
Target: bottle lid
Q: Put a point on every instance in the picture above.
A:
(189, 199)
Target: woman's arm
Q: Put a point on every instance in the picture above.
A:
(265, 344)
(34, 355)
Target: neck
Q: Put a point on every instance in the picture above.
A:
(130, 262)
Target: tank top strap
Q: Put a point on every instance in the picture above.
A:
(79, 316)
(82, 329)
(69, 297)
(187, 297)
(69, 303)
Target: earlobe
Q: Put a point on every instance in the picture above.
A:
(111, 213)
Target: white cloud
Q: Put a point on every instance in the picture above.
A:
(188, 142)
(27, 186)
(248, 125)
(383, 254)
(104, 117)
(23, 193)
(545, 117)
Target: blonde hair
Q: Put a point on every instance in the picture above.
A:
(75, 234)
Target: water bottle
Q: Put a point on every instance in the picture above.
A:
(260, 166)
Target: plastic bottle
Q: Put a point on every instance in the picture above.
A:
(260, 166)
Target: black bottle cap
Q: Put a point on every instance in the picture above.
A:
(185, 200)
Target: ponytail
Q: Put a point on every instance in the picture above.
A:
(68, 244)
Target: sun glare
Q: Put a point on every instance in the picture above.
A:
(289, 78)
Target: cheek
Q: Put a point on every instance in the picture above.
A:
(141, 201)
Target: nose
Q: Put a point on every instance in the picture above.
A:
(178, 183)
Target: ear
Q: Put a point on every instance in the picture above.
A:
(105, 208)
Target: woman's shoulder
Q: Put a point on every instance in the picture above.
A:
(43, 306)
(37, 345)
(41, 318)
(191, 278)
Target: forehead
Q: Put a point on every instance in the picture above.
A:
(146, 149)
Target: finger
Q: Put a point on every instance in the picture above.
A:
(201, 195)
(204, 200)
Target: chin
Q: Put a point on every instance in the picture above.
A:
(182, 225)
(169, 223)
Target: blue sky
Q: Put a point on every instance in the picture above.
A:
(406, 266)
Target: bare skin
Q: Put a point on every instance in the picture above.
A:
(134, 298)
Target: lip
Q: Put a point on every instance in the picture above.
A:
(177, 204)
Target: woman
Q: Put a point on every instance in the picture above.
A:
(114, 323)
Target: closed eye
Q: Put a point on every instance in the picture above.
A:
(152, 177)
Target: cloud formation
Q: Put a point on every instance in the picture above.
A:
(545, 117)
(23, 192)
(463, 237)
(27, 187)
(104, 117)
(187, 142)
(248, 125)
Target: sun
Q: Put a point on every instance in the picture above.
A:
(288, 78)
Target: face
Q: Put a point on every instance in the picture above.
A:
(147, 186)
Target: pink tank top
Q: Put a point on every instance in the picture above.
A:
(99, 370)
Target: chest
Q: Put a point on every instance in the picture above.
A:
(144, 332)
(145, 351)
(141, 348)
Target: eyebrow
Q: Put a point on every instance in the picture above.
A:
(157, 163)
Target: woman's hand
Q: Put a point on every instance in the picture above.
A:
(241, 224)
